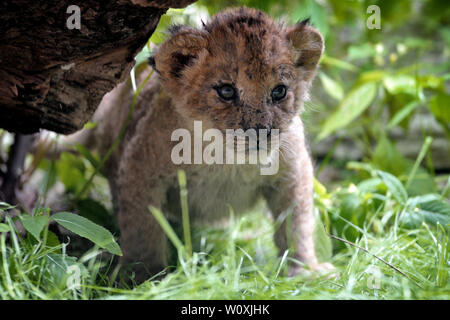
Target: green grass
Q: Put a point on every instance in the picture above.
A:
(400, 261)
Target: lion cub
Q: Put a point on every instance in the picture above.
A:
(240, 71)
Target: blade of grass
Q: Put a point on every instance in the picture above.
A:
(255, 266)
(185, 213)
(442, 274)
(7, 277)
(422, 153)
(167, 228)
(375, 256)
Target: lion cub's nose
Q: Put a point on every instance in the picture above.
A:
(261, 127)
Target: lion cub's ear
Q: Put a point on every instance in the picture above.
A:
(307, 45)
(179, 52)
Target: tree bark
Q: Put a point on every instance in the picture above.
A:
(54, 77)
(14, 167)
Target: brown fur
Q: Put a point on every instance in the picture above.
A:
(243, 47)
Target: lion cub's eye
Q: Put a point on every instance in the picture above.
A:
(226, 91)
(279, 92)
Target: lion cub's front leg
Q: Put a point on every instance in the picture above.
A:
(143, 241)
(292, 201)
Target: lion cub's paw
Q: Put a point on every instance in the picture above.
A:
(321, 269)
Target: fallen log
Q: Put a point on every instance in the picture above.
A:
(53, 75)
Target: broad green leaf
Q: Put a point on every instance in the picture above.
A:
(396, 84)
(87, 229)
(315, 12)
(34, 224)
(369, 185)
(4, 227)
(440, 106)
(319, 188)
(432, 212)
(322, 242)
(386, 157)
(341, 64)
(413, 42)
(394, 186)
(353, 105)
(71, 171)
(52, 240)
(95, 212)
(371, 76)
(362, 51)
(143, 55)
(359, 166)
(415, 201)
(435, 211)
(421, 183)
(90, 125)
(61, 267)
(403, 113)
(332, 87)
(430, 81)
(352, 210)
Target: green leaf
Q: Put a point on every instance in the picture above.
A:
(87, 229)
(386, 157)
(71, 171)
(435, 211)
(322, 242)
(142, 56)
(403, 113)
(415, 201)
(52, 240)
(60, 267)
(332, 87)
(4, 227)
(422, 183)
(362, 51)
(350, 108)
(34, 224)
(396, 84)
(371, 76)
(430, 82)
(341, 64)
(432, 212)
(90, 125)
(95, 212)
(352, 210)
(319, 188)
(394, 186)
(369, 185)
(315, 12)
(440, 106)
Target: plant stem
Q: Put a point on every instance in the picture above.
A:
(419, 159)
(185, 213)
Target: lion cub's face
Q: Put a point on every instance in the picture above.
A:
(241, 71)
